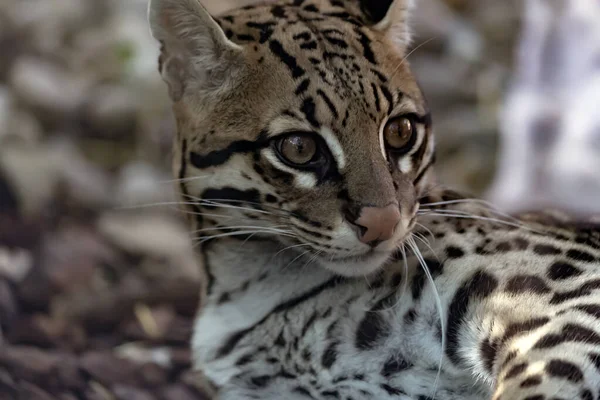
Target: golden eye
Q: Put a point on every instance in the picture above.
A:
(398, 133)
(298, 149)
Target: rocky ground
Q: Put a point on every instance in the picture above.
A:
(98, 285)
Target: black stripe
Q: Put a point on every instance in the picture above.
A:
(289, 60)
(303, 87)
(329, 103)
(479, 286)
(251, 196)
(570, 333)
(424, 171)
(309, 110)
(388, 96)
(366, 44)
(235, 338)
(377, 100)
(417, 156)
(219, 157)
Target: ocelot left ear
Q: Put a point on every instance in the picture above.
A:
(391, 17)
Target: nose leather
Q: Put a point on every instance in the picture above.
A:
(379, 223)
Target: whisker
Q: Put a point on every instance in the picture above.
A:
(409, 54)
(427, 229)
(295, 259)
(426, 243)
(275, 228)
(291, 247)
(411, 242)
(237, 233)
(437, 213)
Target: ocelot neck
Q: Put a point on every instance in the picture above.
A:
(249, 281)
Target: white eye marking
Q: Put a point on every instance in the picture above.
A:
(382, 140)
(405, 164)
(334, 146)
(302, 179)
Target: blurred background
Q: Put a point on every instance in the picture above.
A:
(98, 282)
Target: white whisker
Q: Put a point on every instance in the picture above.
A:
(411, 242)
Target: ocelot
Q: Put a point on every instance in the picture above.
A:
(335, 266)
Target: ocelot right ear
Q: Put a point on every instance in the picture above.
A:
(391, 17)
(196, 55)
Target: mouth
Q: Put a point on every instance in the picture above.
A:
(356, 257)
(358, 264)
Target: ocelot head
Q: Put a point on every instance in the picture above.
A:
(298, 121)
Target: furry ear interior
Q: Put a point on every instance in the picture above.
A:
(195, 52)
(391, 17)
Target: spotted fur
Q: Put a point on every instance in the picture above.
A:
(296, 306)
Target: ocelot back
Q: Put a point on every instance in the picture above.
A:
(335, 268)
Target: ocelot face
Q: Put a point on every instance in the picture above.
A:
(298, 121)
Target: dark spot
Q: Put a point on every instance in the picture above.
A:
(271, 199)
(479, 286)
(586, 394)
(527, 284)
(546, 249)
(394, 365)
(521, 244)
(330, 393)
(329, 355)
(580, 255)
(278, 11)
(244, 360)
(312, 45)
(410, 316)
(503, 247)
(261, 381)
(562, 270)
(454, 252)
(302, 87)
(280, 341)
(224, 298)
(303, 391)
(516, 371)
(370, 330)
(595, 359)
(534, 397)
(532, 381)
(306, 354)
(392, 391)
(396, 280)
(417, 285)
(565, 370)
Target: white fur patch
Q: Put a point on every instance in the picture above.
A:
(334, 146)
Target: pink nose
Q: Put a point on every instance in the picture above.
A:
(378, 223)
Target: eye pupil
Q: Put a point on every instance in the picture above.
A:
(298, 149)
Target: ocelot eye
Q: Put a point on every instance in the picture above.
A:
(298, 149)
(400, 134)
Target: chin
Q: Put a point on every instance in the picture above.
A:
(359, 265)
